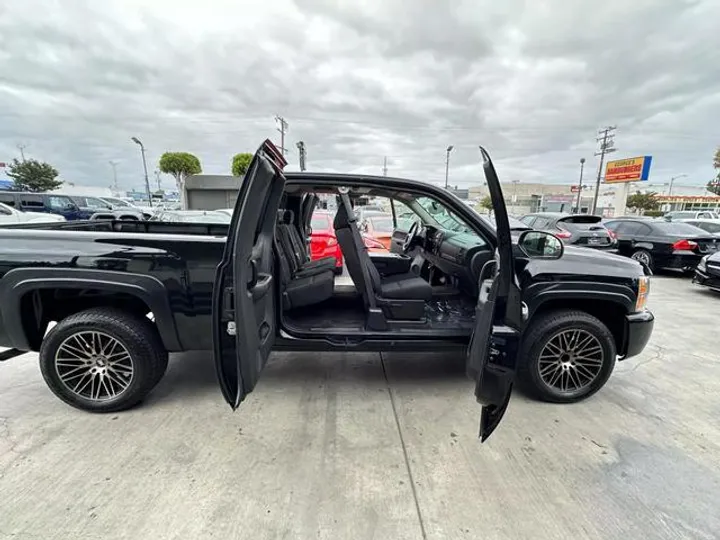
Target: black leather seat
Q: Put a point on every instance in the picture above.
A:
(368, 281)
(295, 247)
(301, 285)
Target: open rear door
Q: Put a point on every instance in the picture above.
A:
(244, 292)
(493, 351)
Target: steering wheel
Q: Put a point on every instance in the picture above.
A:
(411, 234)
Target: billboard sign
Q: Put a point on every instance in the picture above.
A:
(635, 169)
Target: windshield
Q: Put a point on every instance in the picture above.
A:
(444, 217)
(515, 224)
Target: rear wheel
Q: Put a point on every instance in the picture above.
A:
(566, 356)
(102, 359)
(644, 257)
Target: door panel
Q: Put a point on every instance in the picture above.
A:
(244, 294)
(493, 350)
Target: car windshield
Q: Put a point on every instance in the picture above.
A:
(117, 202)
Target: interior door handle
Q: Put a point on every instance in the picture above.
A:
(261, 287)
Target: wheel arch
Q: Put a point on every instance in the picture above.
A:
(23, 291)
(611, 311)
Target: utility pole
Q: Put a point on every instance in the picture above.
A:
(582, 166)
(282, 129)
(113, 164)
(515, 196)
(22, 148)
(447, 164)
(157, 179)
(301, 150)
(385, 166)
(672, 181)
(607, 146)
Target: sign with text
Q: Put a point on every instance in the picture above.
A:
(635, 169)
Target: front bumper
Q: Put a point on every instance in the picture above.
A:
(639, 329)
(707, 277)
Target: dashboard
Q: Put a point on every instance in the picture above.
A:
(459, 255)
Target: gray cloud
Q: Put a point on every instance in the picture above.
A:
(358, 81)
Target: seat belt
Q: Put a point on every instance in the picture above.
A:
(360, 247)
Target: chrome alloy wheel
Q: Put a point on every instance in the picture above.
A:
(94, 365)
(571, 361)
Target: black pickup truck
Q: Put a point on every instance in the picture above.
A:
(124, 294)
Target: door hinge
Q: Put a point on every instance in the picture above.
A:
(231, 328)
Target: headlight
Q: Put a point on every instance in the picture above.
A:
(643, 293)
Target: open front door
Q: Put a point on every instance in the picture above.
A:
(244, 292)
(493, 351)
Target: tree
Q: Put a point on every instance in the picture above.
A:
(643, 201)
(713, 186)
(33, 175)
(240, 163)
(486, 203)
(180, 165)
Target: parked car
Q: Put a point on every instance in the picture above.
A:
(192, 216)
(46, 203)
(100, 209)
(582, 230)
(8, 215)
(690, 214)
(118, 204)
(662, 244)
(554, 318)
(707, 272)
(378, 227)
(711, 226)
(323, 242)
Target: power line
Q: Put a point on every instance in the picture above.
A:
(607, 146)
(282, 129)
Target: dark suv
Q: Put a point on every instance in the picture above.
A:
(48, 203)
(573, 229)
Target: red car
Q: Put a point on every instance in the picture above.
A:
(323, 242)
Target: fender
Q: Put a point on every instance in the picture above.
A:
(539, 293)
(19, 281)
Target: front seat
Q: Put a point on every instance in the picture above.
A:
(400, 296)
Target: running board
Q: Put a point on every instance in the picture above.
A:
(10, 353)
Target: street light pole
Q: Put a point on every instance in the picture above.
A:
(447, 164)
(672, 180)
(582, 166)
(113, 164)
(147, 181)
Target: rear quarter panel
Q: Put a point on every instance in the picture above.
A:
(184, 264)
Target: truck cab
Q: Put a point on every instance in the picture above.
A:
(446, 282)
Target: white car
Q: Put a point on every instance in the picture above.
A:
(9, 215)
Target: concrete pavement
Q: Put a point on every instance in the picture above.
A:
(377, 446)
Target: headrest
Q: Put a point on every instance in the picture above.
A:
(285, 216)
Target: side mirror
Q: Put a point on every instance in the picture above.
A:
(540, 245)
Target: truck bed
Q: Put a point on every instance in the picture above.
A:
(129, 226)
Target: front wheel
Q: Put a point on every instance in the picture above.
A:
(567, 356)
(644, 257)
(102, 359)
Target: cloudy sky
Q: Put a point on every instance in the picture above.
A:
(359, 80)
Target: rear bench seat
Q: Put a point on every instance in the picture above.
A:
(301, 284)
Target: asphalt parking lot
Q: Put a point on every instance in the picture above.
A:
(363, 446)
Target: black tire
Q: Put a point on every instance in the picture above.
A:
(535, 343)
(148, 359)
(644, 256)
